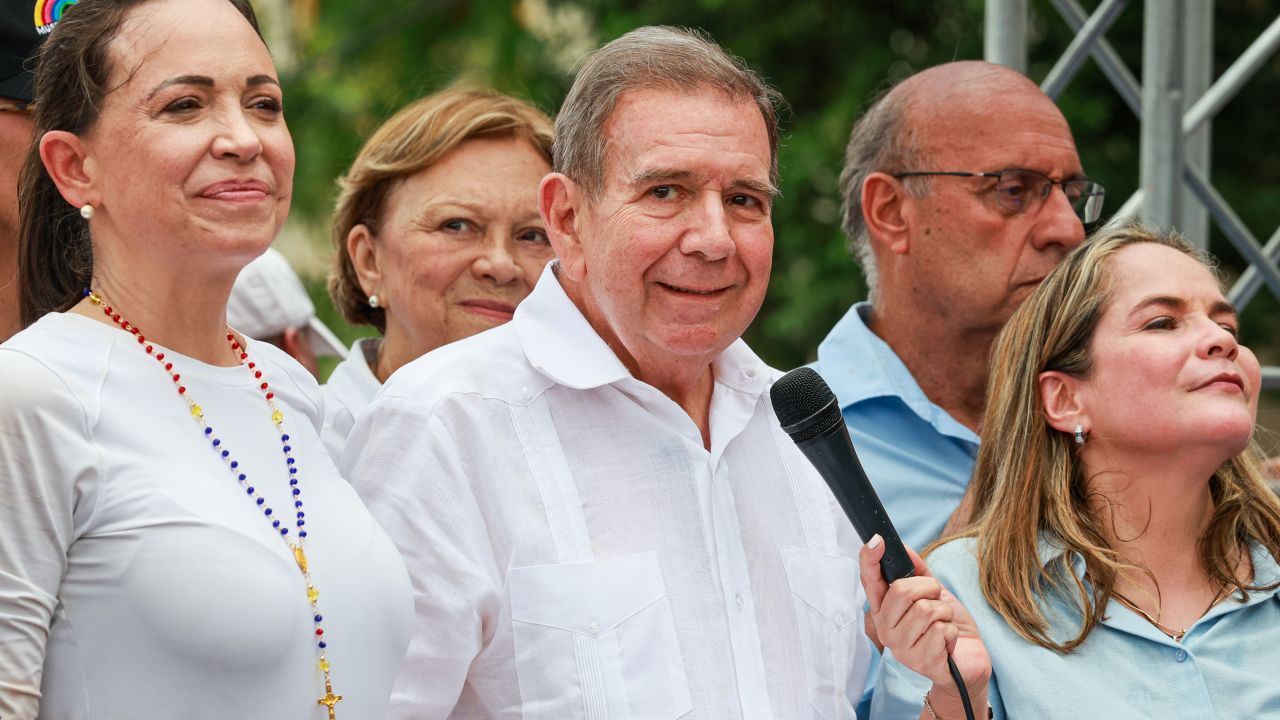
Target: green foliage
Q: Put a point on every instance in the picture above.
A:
(828, 57)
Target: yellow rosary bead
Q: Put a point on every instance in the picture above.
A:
(277, 417)
(197, 412)
(312, 593)
(324, 666)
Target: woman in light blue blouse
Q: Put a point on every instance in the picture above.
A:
(1120, 546)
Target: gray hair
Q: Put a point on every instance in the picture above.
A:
(881, 141)
(648, 58)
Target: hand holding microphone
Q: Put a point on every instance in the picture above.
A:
(914, 616)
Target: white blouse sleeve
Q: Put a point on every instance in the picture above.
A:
(405, 466)
(49, 470)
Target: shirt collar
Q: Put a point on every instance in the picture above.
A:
(561, 344)
(558, 340)
(353, 381)
(859, 366)
(1265, 568)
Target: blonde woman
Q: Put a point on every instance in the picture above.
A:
(438, 235)
(1119, 557)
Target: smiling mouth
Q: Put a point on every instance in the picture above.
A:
(691, 291)
(490, 309)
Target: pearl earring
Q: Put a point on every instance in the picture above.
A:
(86, 211)
(1079, 434)
(373, 301)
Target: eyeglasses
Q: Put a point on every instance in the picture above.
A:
(1018, 191)
(16, 106)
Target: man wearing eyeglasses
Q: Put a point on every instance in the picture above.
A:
(18, 43)
(962, 189)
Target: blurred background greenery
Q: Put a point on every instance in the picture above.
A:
(349, 64)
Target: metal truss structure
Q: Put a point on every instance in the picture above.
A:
(1175, 104)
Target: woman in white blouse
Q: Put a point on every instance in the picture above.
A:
(174, 540)
(437, 233)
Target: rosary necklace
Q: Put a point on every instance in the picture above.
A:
(277, 418)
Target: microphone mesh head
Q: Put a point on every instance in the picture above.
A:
(800, 395)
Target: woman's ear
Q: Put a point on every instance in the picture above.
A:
(364, 258)
(560, 201)
(67, 161)
(1064, 408)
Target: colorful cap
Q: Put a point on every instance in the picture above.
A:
(23, 26)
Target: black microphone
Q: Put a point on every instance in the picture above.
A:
(809, 413)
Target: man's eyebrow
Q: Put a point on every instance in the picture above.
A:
(665, 174)
(206, 81)
(763, 187)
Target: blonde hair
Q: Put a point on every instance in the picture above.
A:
(1029, 479)
(411, 141)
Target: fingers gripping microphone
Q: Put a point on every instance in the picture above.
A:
(809, 413)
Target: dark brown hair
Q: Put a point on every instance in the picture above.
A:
(73, 69)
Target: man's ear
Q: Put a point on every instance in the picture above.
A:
(560, 200)
(364, 258)
(68, 163)
(884, 212)
(1064, 407)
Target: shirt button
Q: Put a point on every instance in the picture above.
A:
(739, 600)
(1180, 656)
(839, 619)
(594, 627)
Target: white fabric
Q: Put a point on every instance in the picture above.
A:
(577, 553)
(348, 392)
(269, 298)
(138, 581)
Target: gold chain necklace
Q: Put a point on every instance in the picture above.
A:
(1176, 635)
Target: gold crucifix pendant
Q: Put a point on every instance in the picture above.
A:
(329, 699)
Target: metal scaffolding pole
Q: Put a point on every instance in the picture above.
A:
(1161, 149)
(1005, 33)
(1081, 45)
(1108, 59)
(1240, 72)
(1197, 76)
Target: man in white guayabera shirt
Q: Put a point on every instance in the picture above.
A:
(600, 513)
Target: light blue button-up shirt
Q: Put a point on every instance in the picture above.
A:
(1227, 665)
(917, 456)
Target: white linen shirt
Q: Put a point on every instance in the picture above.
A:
(576, 552)
(349, 390)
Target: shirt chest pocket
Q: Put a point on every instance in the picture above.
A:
(828, 606)
(597, 640)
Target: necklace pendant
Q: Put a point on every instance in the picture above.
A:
(329, 700)
(300, 558)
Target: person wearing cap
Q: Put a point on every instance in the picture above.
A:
(18, 42)
(269, 303)
(437, 233)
